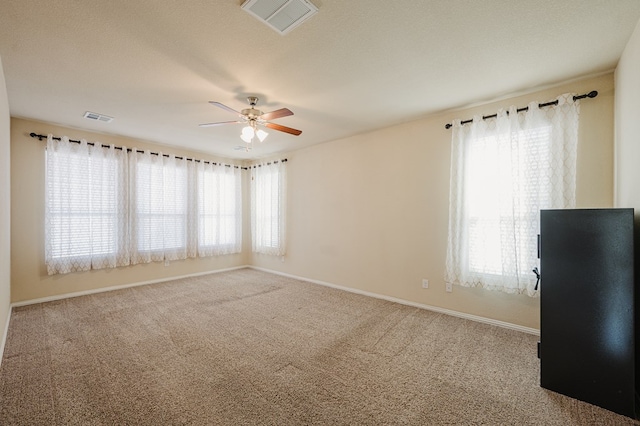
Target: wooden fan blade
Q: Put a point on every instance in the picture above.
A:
(285, 129)
(223, 106)
(282, 112)
(219, 123)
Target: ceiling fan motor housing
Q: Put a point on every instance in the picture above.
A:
(251, 113)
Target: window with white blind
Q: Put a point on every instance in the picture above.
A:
(86, 226)
(159, 200)
(219, 209)
(268, 208)
(82, 209)
(504, 196)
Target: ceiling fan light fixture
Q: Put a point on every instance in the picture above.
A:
(262, 135)
(247, 134)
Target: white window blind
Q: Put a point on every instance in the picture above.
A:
(268, 208)
(159, 207)
(219, 209)
(505, 195)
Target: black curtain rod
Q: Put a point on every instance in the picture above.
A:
(591, 94)
(40, 137)
(284, 160)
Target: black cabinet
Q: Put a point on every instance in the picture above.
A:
(587, 306)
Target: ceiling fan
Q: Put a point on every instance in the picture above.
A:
(253, 117)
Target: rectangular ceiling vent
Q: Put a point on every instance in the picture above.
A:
(281, 15)
(98, 117)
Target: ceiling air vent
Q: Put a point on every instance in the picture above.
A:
(281, 15)
(98, 117)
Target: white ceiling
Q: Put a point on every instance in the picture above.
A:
(355, 66)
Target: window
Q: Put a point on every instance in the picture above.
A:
(268, 205)
(503, 172)
(86, 226)
(108, 207)
(504, 197)
(159, 207)
(219, 209)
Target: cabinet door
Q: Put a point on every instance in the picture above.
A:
(587, 306)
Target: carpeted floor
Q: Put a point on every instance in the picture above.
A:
(250, 348)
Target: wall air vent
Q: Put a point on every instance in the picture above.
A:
(97, 117)
(281, 15)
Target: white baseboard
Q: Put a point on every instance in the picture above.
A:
(119, 287)
(476, 318)
(4, 335)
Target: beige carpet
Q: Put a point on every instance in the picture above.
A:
(247, 347)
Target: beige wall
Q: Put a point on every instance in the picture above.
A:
(5, 209)
(29, 279)
(370, 212)
(627, 127)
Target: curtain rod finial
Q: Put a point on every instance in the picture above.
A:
(35, 135)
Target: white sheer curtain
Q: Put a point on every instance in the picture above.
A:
(219, 209)
(503, 172)
(85, 207)
(105, 207)
(268, 208)
(159, 203)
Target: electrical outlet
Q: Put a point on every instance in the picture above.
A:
(448, 287)
(425, 283)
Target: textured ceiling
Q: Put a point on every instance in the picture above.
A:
(356, 66)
